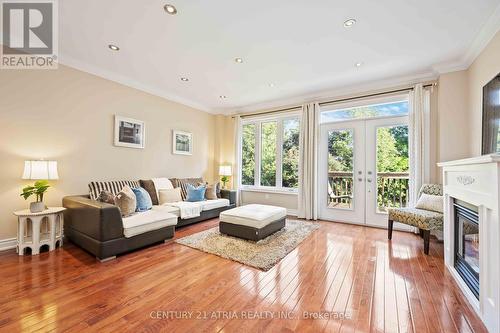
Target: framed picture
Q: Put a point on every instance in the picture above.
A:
(129, 132)
(182, 143)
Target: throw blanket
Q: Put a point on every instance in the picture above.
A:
(188, 209)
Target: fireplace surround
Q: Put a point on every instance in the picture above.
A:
(471, 232)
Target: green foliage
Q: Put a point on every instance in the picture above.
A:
(340, 151)
(248, 155)
(268, 154)
(290, 172)
(38, 189)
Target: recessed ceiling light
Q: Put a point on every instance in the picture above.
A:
(271, 85)
(238, 60)
(358, 64)
(349, 23)
(113, 47)
(185, 79)
(222, 96)
(170, 9)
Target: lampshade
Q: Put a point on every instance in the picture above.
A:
(225, 170)
(40, 170)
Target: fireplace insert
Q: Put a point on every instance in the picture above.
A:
(467, 244)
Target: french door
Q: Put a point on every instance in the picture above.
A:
(363, 170)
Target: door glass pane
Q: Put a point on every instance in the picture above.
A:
(268, 154)
(248, 155)
(290, 169)
(392, 167)
(340, 168)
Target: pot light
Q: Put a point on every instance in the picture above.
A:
(349, 23)
(271, 85)
(170, 9)
(185, 79)
(358, 64)
(222, 96)
(113, 47)
(238, 60)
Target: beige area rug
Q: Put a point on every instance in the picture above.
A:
(263, 254)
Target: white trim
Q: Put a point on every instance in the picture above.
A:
(265, 189)
(8, 244)
(292, 212)
(338, 92)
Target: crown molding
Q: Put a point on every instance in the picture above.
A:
(483, 37)
(108, 75)
(339, 92)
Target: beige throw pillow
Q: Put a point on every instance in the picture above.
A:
(430, 202)
(126, 201)
(211, 191)
(169, 195)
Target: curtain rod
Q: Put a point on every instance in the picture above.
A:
(336, 101)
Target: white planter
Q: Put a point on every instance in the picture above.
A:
(37, 207)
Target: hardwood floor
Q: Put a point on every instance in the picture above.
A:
(343, 278)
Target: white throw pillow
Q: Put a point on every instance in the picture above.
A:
(430, 202)
(169, 195)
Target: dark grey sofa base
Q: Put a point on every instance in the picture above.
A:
(251, 233)
(111, 248)
(205, 215)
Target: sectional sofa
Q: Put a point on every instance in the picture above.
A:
(99, 228)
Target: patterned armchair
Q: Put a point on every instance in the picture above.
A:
(425, 220)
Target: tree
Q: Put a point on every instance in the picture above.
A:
(248, 155)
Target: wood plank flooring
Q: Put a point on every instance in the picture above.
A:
(342, 278)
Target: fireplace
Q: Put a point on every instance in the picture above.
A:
(467, 244)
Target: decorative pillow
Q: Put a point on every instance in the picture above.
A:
(183, 182)
(125, 200)
(95, 188)
(143, 200)
(217, 190)
(170, 195)
(106, 197)
(430, 202)
(149, 186)
(195, 194)
(211, 191)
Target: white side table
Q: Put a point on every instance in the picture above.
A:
(37, 229)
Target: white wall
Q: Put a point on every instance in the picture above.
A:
(67, 115)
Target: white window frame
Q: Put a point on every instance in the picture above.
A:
(258, 121)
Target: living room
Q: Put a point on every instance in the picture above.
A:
(178, 167)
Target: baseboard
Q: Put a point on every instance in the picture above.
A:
(8, 244)
(292, 212)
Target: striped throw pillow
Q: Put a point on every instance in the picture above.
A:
(95, 188)
(183, 182)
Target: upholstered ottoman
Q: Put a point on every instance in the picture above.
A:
(252, 222)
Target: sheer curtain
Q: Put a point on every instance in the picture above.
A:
(419, 137)
(237, 158)
(308, 157)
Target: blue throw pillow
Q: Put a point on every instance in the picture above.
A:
(143, 199)
(195, 194)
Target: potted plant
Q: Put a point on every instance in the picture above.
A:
(38, 189)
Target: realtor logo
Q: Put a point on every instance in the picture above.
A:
(29, 34)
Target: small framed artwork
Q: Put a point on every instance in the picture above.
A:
(182, 143)
(129, 132)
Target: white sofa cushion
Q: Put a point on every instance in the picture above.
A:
(153, 219)
(168, 209)
(256, 216)
(215, 203)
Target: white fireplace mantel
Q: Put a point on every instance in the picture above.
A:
(476, 181)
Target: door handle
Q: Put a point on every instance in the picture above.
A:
(368, 180)
(360, 179)
(369, 172)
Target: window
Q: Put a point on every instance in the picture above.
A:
(270, 153)
(391, 109)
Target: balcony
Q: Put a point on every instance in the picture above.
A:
(392, 190)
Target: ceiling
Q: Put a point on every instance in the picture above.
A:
(300, 47)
